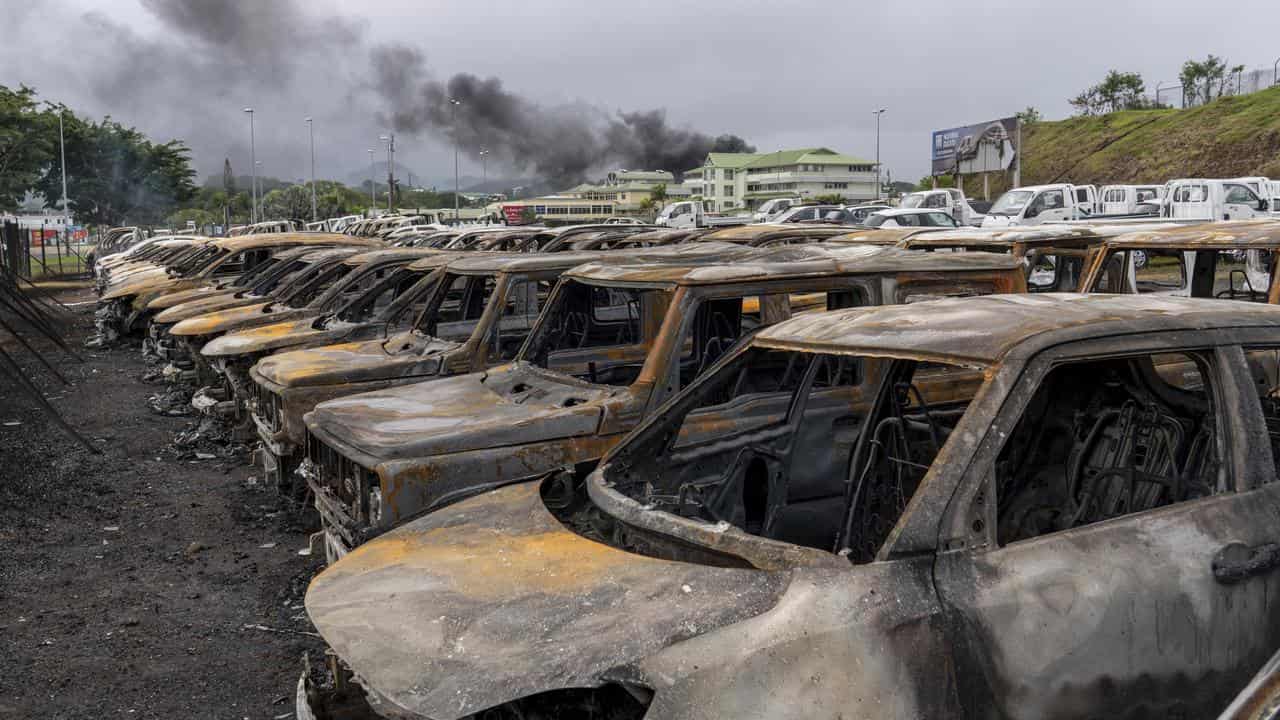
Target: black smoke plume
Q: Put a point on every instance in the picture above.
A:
(561, 143)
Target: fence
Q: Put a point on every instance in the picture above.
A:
(45, 253)
(1175, 94)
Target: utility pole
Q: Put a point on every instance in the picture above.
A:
(311, 131)
(390, 140)
(253, 168)
(62, 141)
(484, 165)
(455, 103)
(878, 113)
(373, 201)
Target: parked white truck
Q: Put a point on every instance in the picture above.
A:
(690, 214)
(1035, 205)
(1129, 199)
(770, 209)
(1200, 199)
(949, 200)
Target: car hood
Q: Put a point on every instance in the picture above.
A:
(137, 286)
(510, 405)
(201, 306)
(265, 338)
(353, 362)
(222, 321)
(168, 300)
(493, 599)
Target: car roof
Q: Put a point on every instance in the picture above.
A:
(794, 261)
(476, 263)
(435, 259)
(248, 242)
(882, 235)
(1031, 234)
(908, 211)
(765, 231)
(388, 255)
(983, 330)
(1261, 233)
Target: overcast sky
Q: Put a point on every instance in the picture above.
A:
(778, 74)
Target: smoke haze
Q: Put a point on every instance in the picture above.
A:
(211, 57)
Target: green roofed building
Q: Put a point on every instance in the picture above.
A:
(733, 181)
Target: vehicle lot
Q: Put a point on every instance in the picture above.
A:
(140, 582)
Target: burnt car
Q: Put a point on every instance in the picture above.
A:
(767, 235)
(270, 280)
(314, 295)
(480, 312)
(614, 342)
(1233, 260)
(123, 309)
(1055, 256)
(1019, 506)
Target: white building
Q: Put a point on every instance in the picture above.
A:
(730, 181)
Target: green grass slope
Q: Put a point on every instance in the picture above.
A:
(1230, 137)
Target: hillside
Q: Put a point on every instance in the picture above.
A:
(1230, 137)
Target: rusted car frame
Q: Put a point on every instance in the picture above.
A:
(613, 343)
(1234, 260)
(270, 280)
(124, 309)
(1055, 256)
(329, 288)
(1088, 531)
(480, 311)
(764, 235)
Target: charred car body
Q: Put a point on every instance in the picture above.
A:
(320, 290)
(123, 310)
(1019, 506)
(1232, 260)
(481, 311)
(614, 342)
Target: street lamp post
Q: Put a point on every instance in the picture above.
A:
(311, 131)
(484, 164)
(373, 201)
(257, 183)
(390, 140)
(878, 113)
(253, 169)
(454, 102)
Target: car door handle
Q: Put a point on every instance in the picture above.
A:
(1237, 561)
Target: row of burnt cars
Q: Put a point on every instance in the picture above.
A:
(758, 472)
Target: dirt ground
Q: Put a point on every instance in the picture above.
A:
(142, 582)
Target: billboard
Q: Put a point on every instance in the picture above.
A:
(983, 147)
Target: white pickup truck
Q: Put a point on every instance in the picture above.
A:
(1128, 199)
(1199, 199)
(949, 200)
(770, 209)
(689, 214)
(1035, 205)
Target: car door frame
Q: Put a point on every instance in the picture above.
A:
(966, 529)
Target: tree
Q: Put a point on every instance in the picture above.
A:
(1117, 91)
(115, 173)
(1204, 80)
(659, 194)
(647, 205)
(27, 136)
(944, 181)
(288, 203)
(830, 199)
(1030, 116)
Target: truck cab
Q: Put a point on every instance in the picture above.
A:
(1212, 200)
(1034, 205)
(1129, 199)
(770, 209)
(950, 200)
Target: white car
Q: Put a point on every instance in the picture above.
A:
(910, 217)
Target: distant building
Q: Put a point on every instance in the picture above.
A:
(730, 181)
(622, 193)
